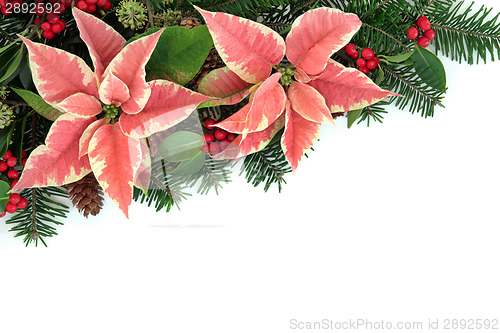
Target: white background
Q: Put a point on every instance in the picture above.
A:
(395, 222)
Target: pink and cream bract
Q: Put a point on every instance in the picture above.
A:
(80, 141)
(322, 86)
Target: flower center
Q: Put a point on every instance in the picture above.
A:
(286, 75)
(110, 111)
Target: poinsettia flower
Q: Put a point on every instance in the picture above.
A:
(300, 97)
(106, 111)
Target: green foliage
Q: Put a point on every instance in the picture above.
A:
(373, 113)
(267, 166)
(429, 68)
(39, 218)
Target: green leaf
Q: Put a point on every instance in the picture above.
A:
(25, 74)
(397, 58)
(18, 137)
(38, 104)
(4, 196)
(179, 54)
(180, 146)
(10, 62)
(5, 137)
(429, 68)
(380, 76)
(352, 116)
(189, 167)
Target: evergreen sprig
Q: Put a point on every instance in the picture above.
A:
(267, 166)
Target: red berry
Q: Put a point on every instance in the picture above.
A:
(5, 11)
(208, 137)
(48, 34)
(91, 2)
(24, 162)
(107, 6)
(412, 33)
(8, 154)
(91, 8)
(67, 3)
(14, 198)
(220, 134)
(354, 55)
(209, 123)
(367, 53)
(14, 182)
(4, 212)
(23, 203)
(101, 3)
(57, 27)
(12, 174)
(52, 18)
(424, 23)
(37, 21)
(350, 49)
(214, 148)
(82, 5)
(223, 144)
(376, 59)
(423, 41)
(39, 9)
(364, 70)
(45, 26)
(430, 33)
(361, 62)
(3, 166)
(10, 207)
(230, 137)
(53, 1)
(204, 148)
(39, 0)
(23, 153)
(371, 64)
(11, 161)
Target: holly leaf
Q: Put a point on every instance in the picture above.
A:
(248, 48)
(352, 116)
(346, 89)
(180, 146)
(299, 135)
(115, 159)
(189, 167)
(316, 35)
(429, 68)
(9, 65)
(179, 54)
(224, 85)
(5, 137)
(57, 162)
(38, 104)
(4, 195)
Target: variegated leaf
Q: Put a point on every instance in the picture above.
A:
(115, 159)
(249, 143)
(309, 103)
(129, 67)
(55, 82)
(143, 174)
(225, 85)
(113, 90)
(80, 105)
(103, 42)
(168, 105)
(265, 106)
(248, 48)
(346, 89)
(87, 136)
(57, 162)
(316, 35)
(299, 135)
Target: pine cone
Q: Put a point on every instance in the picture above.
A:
(190, 22)
(86, 194)
(212, 62)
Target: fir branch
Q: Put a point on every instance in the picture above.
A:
(407, 49)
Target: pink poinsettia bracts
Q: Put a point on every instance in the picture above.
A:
(321, 86)
(107, 112)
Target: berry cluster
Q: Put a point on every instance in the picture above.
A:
(367, 62)
(216, 140)
(426, 33)
(90, 6)
(8, 164)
